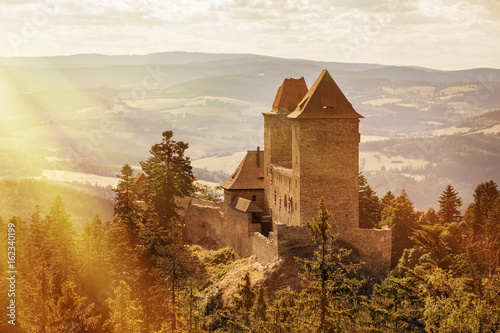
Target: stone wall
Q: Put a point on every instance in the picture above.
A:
(265, 249)
(293, 240)
(282, 200)
(277, 148)
(237, 230)
(373, 245)
(204, 225)
(325, 164)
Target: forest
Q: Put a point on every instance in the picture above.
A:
(136, 273)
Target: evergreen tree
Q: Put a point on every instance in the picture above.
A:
(260, 307)
(401, 217)
(74, 313)
(244, 300)
(61, 242)
(329, 298)
(385, 202)
(369, 205)
(38, 312)
(485, 195)
(449, 205)
(387, 199)
(169, 177)
(93, 251)
(126, 208)
(126, 313)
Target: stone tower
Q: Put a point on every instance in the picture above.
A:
(314, 153)
(278, 132)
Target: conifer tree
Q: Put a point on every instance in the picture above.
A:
(244, 299)
(485, 195)
(329, 282)
(38, 312)
(61, 242)
(260, 306)
(169, 177)
(449, 205)
(74, 313)
(126, 313)
(126, 208)
(369, 205)
(401, 217)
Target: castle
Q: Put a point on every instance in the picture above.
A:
(311, 141)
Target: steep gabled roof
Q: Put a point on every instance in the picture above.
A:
(245, 205)
(289, 94)
(249, 175)
(324, 100)
(139, 178)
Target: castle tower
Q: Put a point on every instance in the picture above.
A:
(325, 150)
(278, 132)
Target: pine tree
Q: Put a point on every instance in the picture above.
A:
(449, 205)
(126, 208)
(260, 306)
(244, 299)
(169, 177)
(126, 313)
(385, 202)
(329, 282)
(401, 217)
(38, 312)
(74, 313)
(61, 242)
(92, 249)
(485, 195)
(369, 205)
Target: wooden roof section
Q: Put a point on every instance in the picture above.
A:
(245, 205)
(324, 100)
(139, 178)
(249, 175)
(289, 94)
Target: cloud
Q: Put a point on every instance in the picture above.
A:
(391, 32)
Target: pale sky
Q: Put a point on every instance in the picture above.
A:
(441, 34)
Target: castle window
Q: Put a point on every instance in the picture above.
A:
(275, 197)
(280, 202)
(285, 202)
(254, 198)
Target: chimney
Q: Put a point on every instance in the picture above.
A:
(258, 156)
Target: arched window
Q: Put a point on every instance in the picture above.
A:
(290, 207)
(285, 202)
(275, 197)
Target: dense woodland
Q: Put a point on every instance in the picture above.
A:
(135, 273)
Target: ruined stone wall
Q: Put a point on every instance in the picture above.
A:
(277, 148)
(325, 164)
(373, 245)
(265, 249)
(238, 228)
(293, 241)
(204, 225)
(282, 200)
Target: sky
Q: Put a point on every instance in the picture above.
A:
(439, 34)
